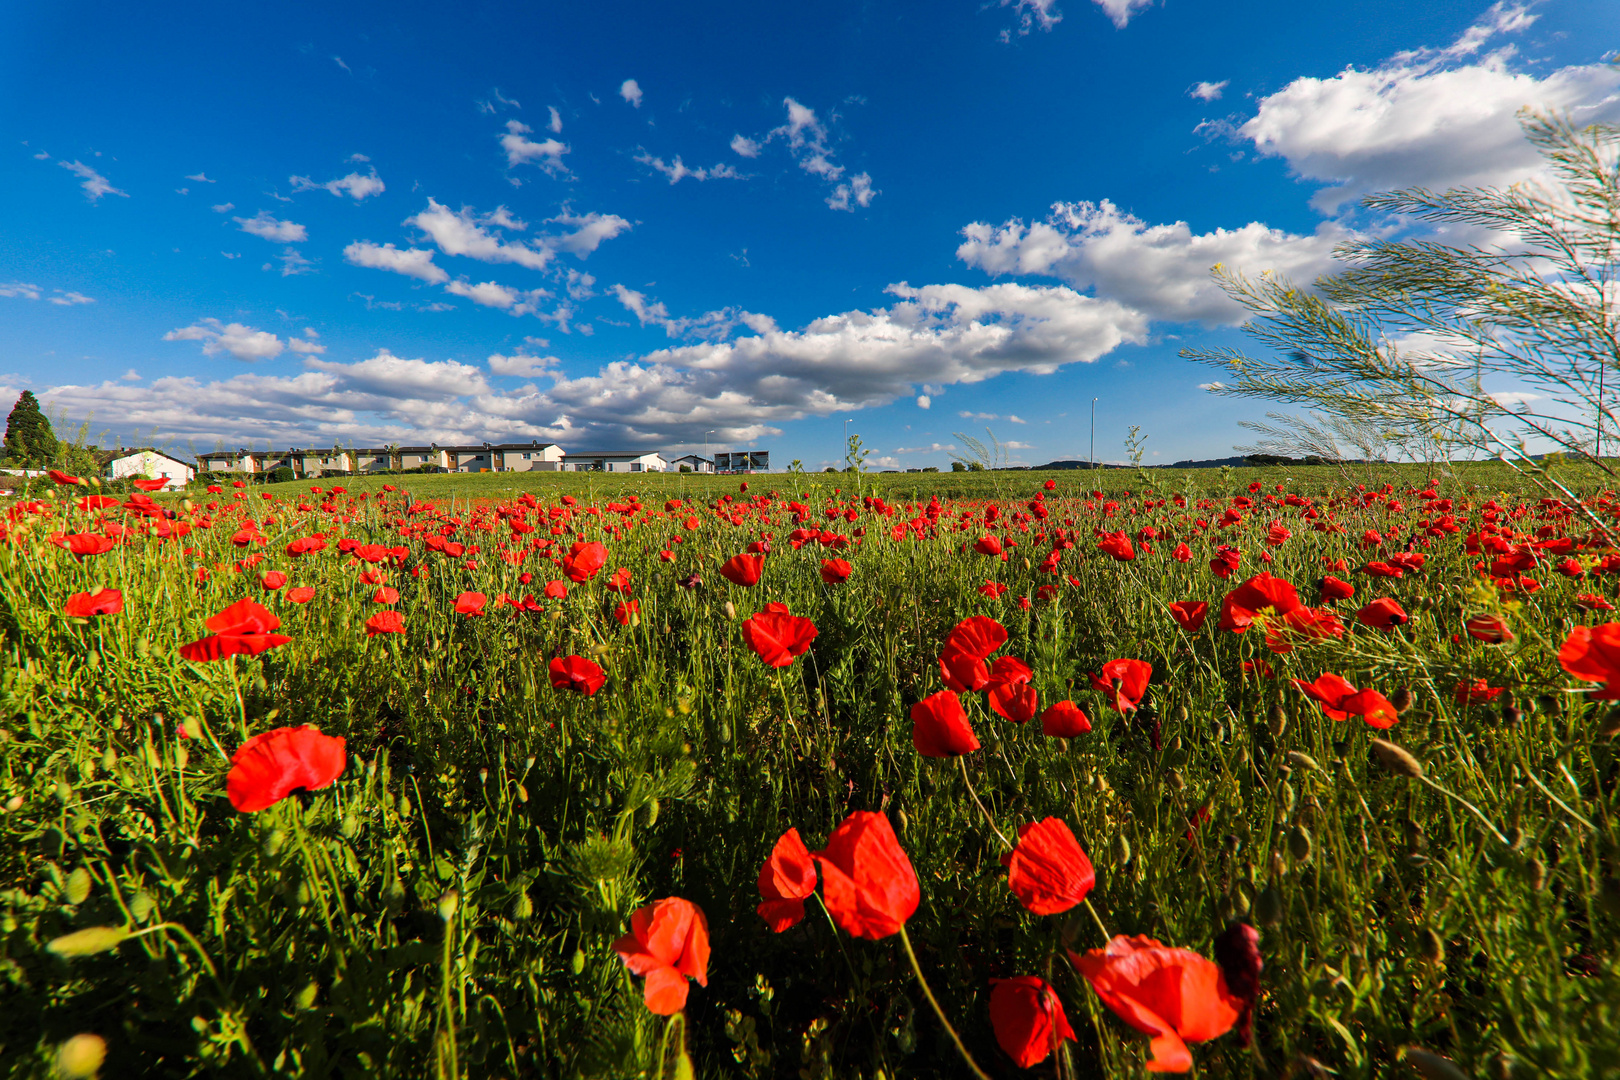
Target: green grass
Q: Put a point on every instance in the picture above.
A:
(316, 938)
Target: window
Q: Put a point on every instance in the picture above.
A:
(635, 466)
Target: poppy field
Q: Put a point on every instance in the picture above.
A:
(813, 776)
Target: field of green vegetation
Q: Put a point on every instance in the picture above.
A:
(1259, 773)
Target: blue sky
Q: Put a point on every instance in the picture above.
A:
(632, 225)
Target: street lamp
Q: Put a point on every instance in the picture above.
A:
(847, 420)
(1094, 433)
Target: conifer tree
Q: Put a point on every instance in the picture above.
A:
(29, 438)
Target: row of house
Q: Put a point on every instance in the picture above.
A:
(486, 457)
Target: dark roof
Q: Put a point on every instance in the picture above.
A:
(612, 453)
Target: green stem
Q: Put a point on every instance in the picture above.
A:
(916, 969)
(988, 819)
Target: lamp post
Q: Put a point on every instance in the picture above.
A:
(1093, 434)
(847, 420)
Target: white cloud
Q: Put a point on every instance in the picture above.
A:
(1033, 13)
(388, 375)
(931, 448)
(63, 297)
(67, 299)
(1209, 91)
(94, 184)
(306, 344)
(242, 342)
(1423, 118)
(710, 326)
(678, 171)
(522, 366)
(41, 156)
(412, 262)
(354, 185)
(224, 207)
(744, 146)
(495, 295)
(859, 190)
(1119, 12)
(630, 90)
(590, 231)
(521, 151)
(1509, 398)
(201, 178)
(1160, 270)
(265, 225)
(20, 288)
(924, 401)
(555, 127)
(292, 263)
(462, 233)
(130, 376)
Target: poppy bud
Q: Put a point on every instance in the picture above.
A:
(305, 1000)
(81, 1057)
(1397, 760)
(1177, 781)
(449, 903)
(523, 906)
(1536, 874)
(141, 906)
(350, 827)
(1431, 1066)
(577, 963)
(1299, 843)
(1277, 721)
(1268, 906)
(88, 942)
(731, 610)
(14, 804)
(1430, 947)
(1401, 699)
(1122, 849)
(1302, 760)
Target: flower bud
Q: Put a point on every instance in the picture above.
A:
(1299, 843)
(1397, 760)
(1430, 947)
(81, 1057)
(449, 903)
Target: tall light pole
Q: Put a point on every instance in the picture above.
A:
(706, 435)
(847, 419)
(1093, 434)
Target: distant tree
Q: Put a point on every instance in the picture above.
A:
(29, 438)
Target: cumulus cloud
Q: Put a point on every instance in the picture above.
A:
(25, 291)
(464, 233)
(712, 325)
(67, 299)
(924, 401)
(242, 342)
(588, 231)
(522, 365)
(495, 295)
(201, 178)
(1425, 117)
(1119, 12)
(630, 90)
(94, 184)
(307, 345)
(224, 207)
(265, 225)
(354, 185)
(1209, 91)
(1162, 271)
(412, 262)
(521, 151)
(678, 170)
(808, 142)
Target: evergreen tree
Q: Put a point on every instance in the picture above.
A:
(29, 438)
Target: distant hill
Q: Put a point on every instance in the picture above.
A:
(1201, 463)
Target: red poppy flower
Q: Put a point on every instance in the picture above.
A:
(1261, 594)
(977, 636)
(82, 544)
(1117, 544)
(1592, 602)
(1048, 871)
(1340, 700)
(992, 589)
(1182, 553)
(1028, 1018)
(584, 560)
(1491, 629)
(1383, 614)
(1478, 692)
(1172, 994)
(1050, 485)
(301, 595)
(835, 571)
(576, 673)
(305, 544)
(743, 569)
(668, 943)
(619, 582)
(963, 673)
(1132, 679)
(1333, 589)
(1226, 561)
(1010, 692)
(627, 613)
(244, 627)
(385, 595)
(63, 478)
(471, 604)
(988, 545)
(1064, 721)
(777, 636)
(555, 590)
(83, 605)
(272, 580)
(787, 877)
(1189, 614)
(939, 726)
(385, 622)
(154, 485)
(1237, 950)
(272, 765)
(866, 880)
(1593, 653)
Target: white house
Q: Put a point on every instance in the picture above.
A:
(240, 461)
(616, 461)
(150, 463)
(692, 463)
(527, 457)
